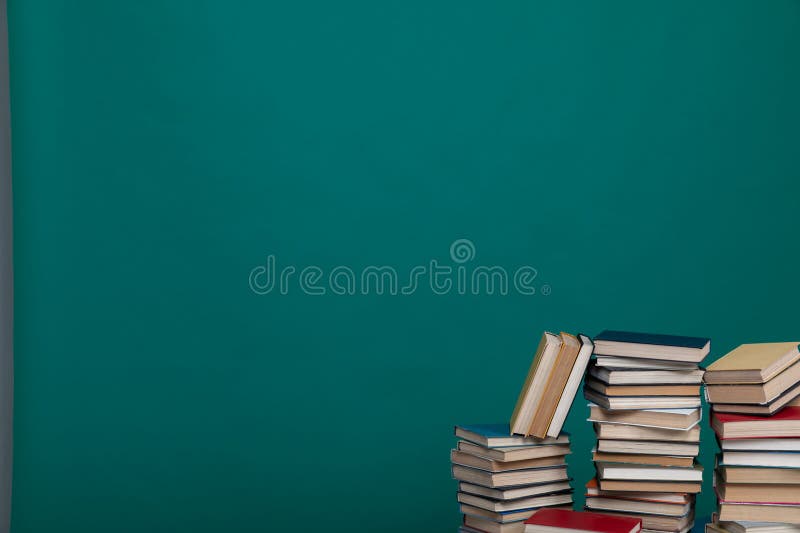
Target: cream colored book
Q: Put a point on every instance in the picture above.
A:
(554, 386)
(571, 389)
(753, 363)
(533, 388)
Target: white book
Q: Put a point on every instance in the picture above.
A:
(649, 473)
(574, 381)
(762, 445)
(769, 459)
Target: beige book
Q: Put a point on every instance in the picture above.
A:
(650, 486)
(512, 453)
(554, 386)
(621, 432)
(466, 459)
(660, 523)
(643, 390)
(759, 513)
(755, 493)
(637, 506)
(533, 388)
(514, 478)
(571, 388)
(644, 459)
(661, 418)
(514, 493)
(753, 363)
(545, 500)
(687, 449)
(760, 393)
(772, 476)
(790, 398)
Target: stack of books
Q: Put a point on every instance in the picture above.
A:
(756, 417)
(645, 399)
(503, 479)
(508, 471)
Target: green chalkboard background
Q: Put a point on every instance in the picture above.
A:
(641, 156)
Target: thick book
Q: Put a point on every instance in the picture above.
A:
(593, 489)
(760, 393)
(683, 449)
(490, 465)
(690, 487)
(514, 478)
(787, 398)
(501, 517)
(555, 385)
(679, 419)
(622, 432)
(533, 389)
(646, 377)
(558, 521)
(760, 527)
(640, 458)
(498, 435)
(729, 511)
(652, 346)
(753, 363)
(514, 493)
(759, 475)
(634, 472)
(513, 453)
(642, 390)
(641, 402)
(501, 506)
(623, 505)
(571, 388)
(785, 423)
(758, 493)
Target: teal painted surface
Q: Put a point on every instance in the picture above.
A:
(642, 156)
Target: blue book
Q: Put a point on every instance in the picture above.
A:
(499, 435)
(652, 346)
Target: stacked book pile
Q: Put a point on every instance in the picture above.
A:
(504, 479)
(508, 471)
(756, 417)
(646, 409)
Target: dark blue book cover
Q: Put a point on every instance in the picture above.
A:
(652, 338)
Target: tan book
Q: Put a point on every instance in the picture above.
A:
(503, 518)
(554, 387)
(753, 363)
(512, 453)
(466, 459)
(637, 506)
(640, 458)
(759, 493)
(643, 390)
(634, 472)
(758, 393)
(640, 402)
(571, 388)
(687, 449)
(783, 424)
(790, 398)
(622, 432)
(772, 476)
(533, 388)
(663, 497)
(650, 486)
(495, 480)
(660, 418)
(759, 527)
(758, 512)
(646, 376)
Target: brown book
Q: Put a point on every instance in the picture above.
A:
(640, 458)
(650, 486)
(544, 500)
(623, 505)
(554, 387)
(753, 363)
(789, 398)
(664, 497)
(485, 525)
(785, 423)
(756, 493)
(733, 512)
(650, 473)
(755, 393)
(514, 493)
(773, 476)
(466, 459)
(533, 388)
(512, 453)
(643, 390)
(648, 447)
(671, 418)
(622, 432)
(641, 402)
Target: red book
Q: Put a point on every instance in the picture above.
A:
(785, 423)
(553, 520)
